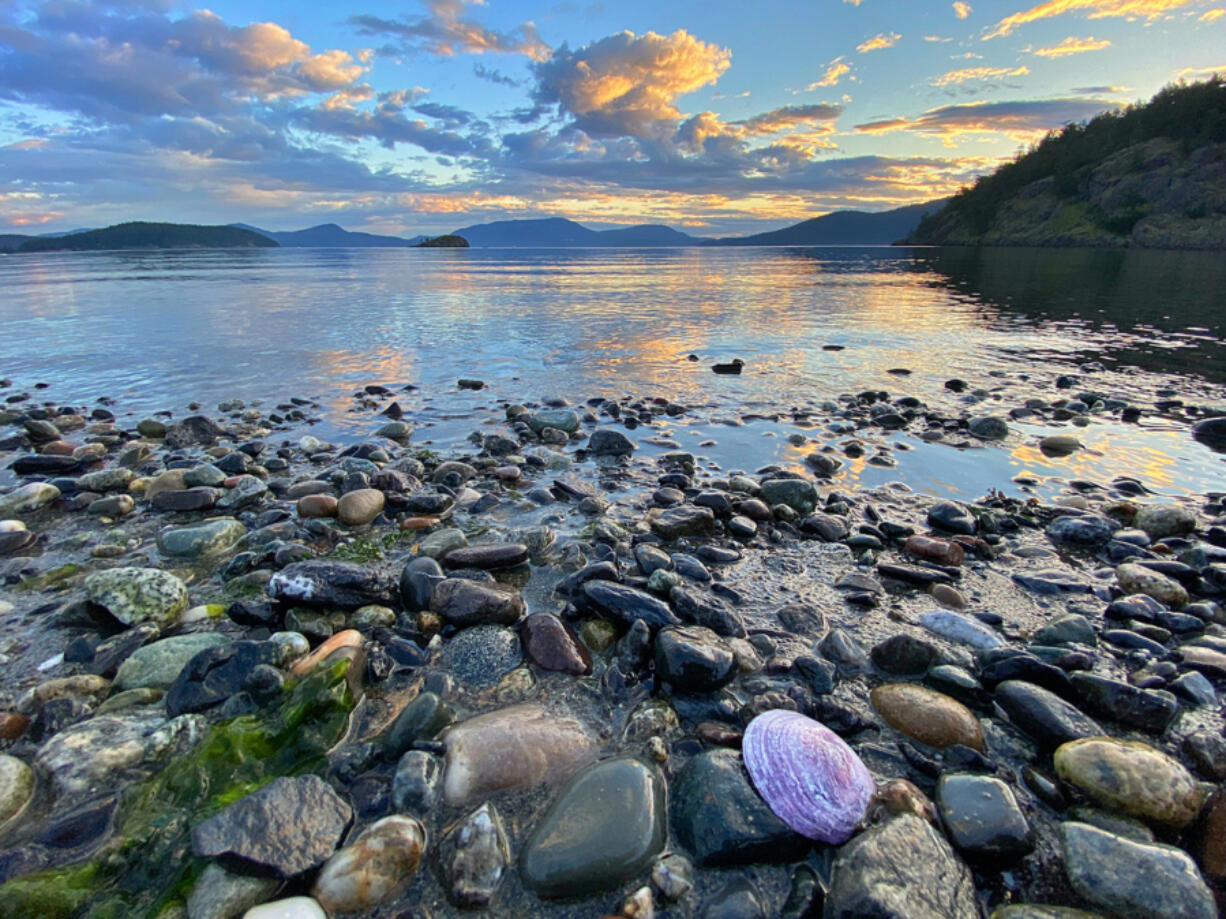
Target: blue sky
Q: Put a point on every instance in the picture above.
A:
(427, 115)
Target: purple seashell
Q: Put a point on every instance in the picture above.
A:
(807, 775)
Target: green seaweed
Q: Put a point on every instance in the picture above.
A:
(56, 577)
(152, 866)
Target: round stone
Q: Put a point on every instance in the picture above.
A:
(198, 540)
(136, 595)
(317, 506)
(928, 716)
(358, 508)
(374, 866)
(1132, 777)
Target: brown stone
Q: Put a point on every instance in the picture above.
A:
(418, 523)
(358, 508)
(317, 506)
(59, 448)
(928, 716)
(12, 725)
(941, 551)
(349, 638)
(1213, 852)
(551, 644)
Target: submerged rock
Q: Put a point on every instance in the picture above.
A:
(329, 584)
(928, 716)
(474, 857)
(983, 818)
(604, 828)
(200, 539)
(371, 868)
(808, 776)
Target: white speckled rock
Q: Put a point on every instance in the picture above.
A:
(136, 595)
(16, 787)
(1137, 579)
(366, 872)
(964, 629)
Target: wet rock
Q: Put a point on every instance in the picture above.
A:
(738, 899)
(866, 879)
(105, 480)
(1060, 445)
(482, 655)
(13, 536)
(1146, 709)
(84, 756)
(26, 499)
(465, 603)
(248, 491)
(807, 775)
(474, 856)
(195, 429)
(289, 908)
(941, 551)
(626, 605)
(961, 629)
(673, 876)
(155, 666)
(1162, 520)
(562, 419)
(903, 655)
(1043, 715)
(136, 595)
(289, 826)
(201, 539)
(1088, 532)
(610, 442)
(374, 866)
(318, 506)
(1137, 579)
(16, 787)
(185, 501)
(983, 819)
(330, 584)
(1213, 847)
(215, 674)
(417, 581)
(604, 828)
(222, 894)
(693, 659)
(358, 508)
(1070, 629)
(487, 556)
(1133, 879)
(415, 785)
(953, 518)
(928, 716)
(687, 520)
(798, 494)
(700, 608)
(989, 427)
(721, 820)
(513, 747)
(1131, 777)
(1204, 660)
(826, 527)
(551, 644)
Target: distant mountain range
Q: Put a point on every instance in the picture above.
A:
(850, 228)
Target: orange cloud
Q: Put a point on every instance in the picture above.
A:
(1212, 15)
(954, 77)
(835, 71)
(32, 143)
(1097, 9)
(1019, 121)
(962, 10)
(877, 42)
(1073, 45)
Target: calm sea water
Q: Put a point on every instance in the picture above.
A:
(157, 330)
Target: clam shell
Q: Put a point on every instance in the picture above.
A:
(807, 775)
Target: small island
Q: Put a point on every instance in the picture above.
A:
(448, 241)
(138, 235)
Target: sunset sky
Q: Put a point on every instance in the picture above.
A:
(427, 115)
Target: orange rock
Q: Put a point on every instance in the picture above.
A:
(1213, 856)
(941, 551)
(349, 638)
(418, 523)
(317, 506)
(59, 448)
(926, 715)
(12, 725)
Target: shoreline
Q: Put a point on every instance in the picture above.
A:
(772, 590)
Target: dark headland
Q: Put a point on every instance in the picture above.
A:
(149, 236)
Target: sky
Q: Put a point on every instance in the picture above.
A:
(413, 116)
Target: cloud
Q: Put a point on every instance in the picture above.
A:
(962, 10)
(835, 71)
(1101, 90)
(955, 77)
(790, 116)
(1201, 73)
(626, 85)
(444, 31)
(877, 42)
(1096, 9)
(1072, 45)
(853, 2)
(1212, 15)
(492, 75)
(1016, 120)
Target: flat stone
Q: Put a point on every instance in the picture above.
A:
(610, 442)
(1150, 710)
(26, 499)
(1162, 520)
(1043, 715)
(551, 644)
(136, 595)
(198, 540)
(683, 521)
(1088, 532)
(358, 508)
(482, 655)
(330, 584)
(222, 894)
(155, 666)
(291, 825)
(798, 494)
(185, 500)
(983, 819)
(487, 556)
(693, 659)
(626, 605)
(466, 603)
(213, 675)
(1129, 878)
(1131, 777)
(604, 828)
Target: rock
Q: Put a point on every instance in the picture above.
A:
(318, 506)
(798, 494)
(737, 899)
(195, 429)
(1204, 660)
(953, 518)
(826, 527)
(222, 894)
(346, 638)
(329, 584)
(513, 747)
(416, 782)
(903, 655)
(807, 775)
(395, 430)
(1070, 629)
(13, 536)
(989, 427)
(112, 506)
(983, 819)
(1060, 444)
(26, 499)
(867, 878)
(437, 544)
(625, 605)
(85, 757)
(474, 857)
(155, 666)
(703, 609)
(1137, 579)
(185, 501)
(465, 603)
(551, 644)
(1163, 520)
(481, 655)
(198, 540)
(693, 659)
(1043, 715)
(105, 480)
(1131, 777)
(686, 520)
(610, 442)
(1036, 911)
(487, 556)
(1088, 532)
(247, 492)
(604, 828)
(136, 595)
(205, 474)
(360, 507)
(963, 629)
(928, 716)
(673, 876)
(721, 820)
(1146, 709)
(373, 867)
(16, 787)
(289, 826)
(215, 674)
(562, 419)
(417, 581)
(941, 551)
(1213, 848)
(1133, 879)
